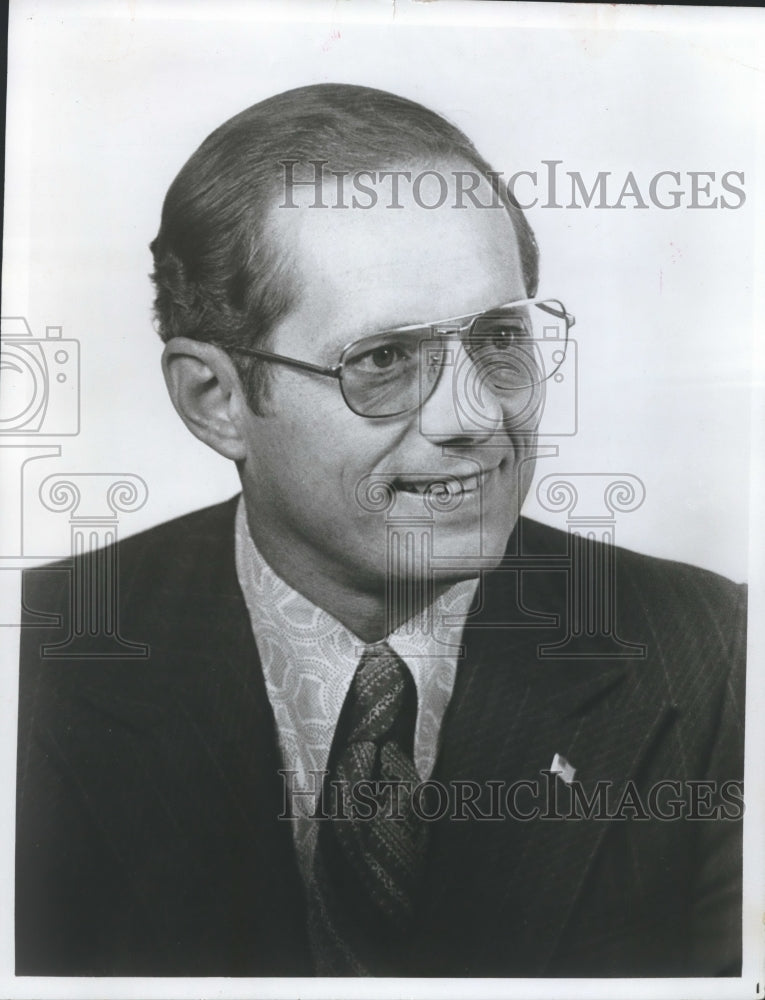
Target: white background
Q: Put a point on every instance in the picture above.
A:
(107, 101)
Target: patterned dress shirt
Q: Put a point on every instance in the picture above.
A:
(309, 659)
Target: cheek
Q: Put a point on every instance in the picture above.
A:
(522, 410)
(314, 453)
(302, 429)
(320, 459)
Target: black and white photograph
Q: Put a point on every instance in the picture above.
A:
(381, 428)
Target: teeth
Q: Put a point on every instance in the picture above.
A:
(451, 486)
(457, 486)
(467, 484)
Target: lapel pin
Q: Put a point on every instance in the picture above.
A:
(562, 768)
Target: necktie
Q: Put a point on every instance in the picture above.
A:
(371, 849)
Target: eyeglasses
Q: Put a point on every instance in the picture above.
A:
(512, 347)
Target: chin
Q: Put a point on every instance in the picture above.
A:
(470, 553)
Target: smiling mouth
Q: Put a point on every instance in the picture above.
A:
(440, 487)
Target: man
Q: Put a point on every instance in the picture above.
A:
(360, 743)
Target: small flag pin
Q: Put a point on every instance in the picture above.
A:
(562, 768)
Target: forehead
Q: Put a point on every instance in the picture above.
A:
(359, 270)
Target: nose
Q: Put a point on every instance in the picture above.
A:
(462, 407)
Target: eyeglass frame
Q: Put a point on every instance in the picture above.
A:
(436, 327)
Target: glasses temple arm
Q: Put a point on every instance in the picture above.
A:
(560, 313)
(331, 372)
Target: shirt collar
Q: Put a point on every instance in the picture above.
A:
(309, 657)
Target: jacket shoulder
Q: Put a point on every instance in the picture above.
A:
(684, 615)
(165, 552)
(652, 575)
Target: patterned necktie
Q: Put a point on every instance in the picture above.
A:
(371, 849)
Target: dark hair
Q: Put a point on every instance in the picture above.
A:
(220, 275)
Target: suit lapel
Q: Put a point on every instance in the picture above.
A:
(261, 919)
(603, 726)
(192, 737)
(511, 712)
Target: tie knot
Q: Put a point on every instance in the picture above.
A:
(377, 693)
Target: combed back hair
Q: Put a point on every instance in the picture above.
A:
(221, 273)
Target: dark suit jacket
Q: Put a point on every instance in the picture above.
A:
(148, 838)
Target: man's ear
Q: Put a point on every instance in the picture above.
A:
(207, 393)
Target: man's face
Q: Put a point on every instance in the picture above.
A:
(311, 461)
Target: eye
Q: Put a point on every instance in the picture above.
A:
(385, 357)
(501, 333)
(507, 334)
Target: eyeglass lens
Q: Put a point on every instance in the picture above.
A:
(509, 350)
